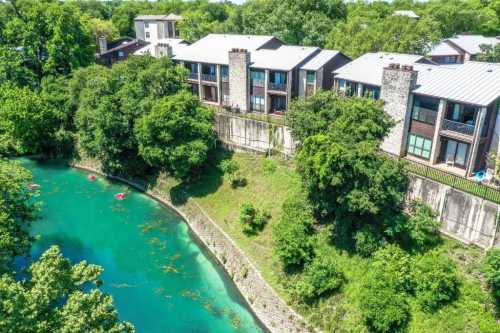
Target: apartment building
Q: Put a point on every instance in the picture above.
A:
(460, 48)
(446, 116)
(247, 73)
(153, 28)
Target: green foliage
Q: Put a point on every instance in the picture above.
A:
(422, 228)
(321, 276)
(230, 168)
(394, 266)
(252, 219)
(269, 166)
(436, 281)
(176, 135)
(292, 235)
(492, 270)
(367, 240)
(489, 53)
(17, 211)
(55, 297)
(110, 102)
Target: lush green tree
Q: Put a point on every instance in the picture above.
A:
(231, 168)
(368, 239)
(489, 53)
(292, 235)
(321, 276)
(359, 35)
(17, 211)
(12, 69)
(102, 28)
(54, 297)
(111, 101)
(176, 135)
(252, 219)
(492, 270)
(49, 35)
(436, 281)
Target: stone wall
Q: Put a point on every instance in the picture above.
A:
(463, 216)
(268, 307)
(240, 133)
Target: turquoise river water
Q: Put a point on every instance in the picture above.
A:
(161, 278)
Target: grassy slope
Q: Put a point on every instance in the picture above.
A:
(472, 312)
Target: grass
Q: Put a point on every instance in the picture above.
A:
(267, 188)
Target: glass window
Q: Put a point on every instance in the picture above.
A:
(224, 70)
(461, 113)
(257, 78)
(371, 91)
(311, 77)
(456, 152)
(425, 109)
(419, 146)
(257, 103)
(147, 34)
(351, 88)
(341, 86)
(146, 25)
(121, 54)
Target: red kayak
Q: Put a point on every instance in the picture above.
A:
(120, 196)
(91, 177)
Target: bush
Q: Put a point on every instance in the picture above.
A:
(321, 276)
(252, 219)
(231, 169)
(393, 265)
(367, 240)
(383, 308)
(436, 281)
(292, 235)
(492, 270)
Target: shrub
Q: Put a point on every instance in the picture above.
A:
(292, 235)
(393, 265)
(321, 276)
(436, 281)
(367, 240)
(492, 270)
(422, 227)
(252, 219)
(269, 166)
(231, 169)
(383, 308)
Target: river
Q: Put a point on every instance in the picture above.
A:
(161, 278)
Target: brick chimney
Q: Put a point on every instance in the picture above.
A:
(239, 64)
(103, 44)
(397, 83)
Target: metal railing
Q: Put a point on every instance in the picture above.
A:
(277, 86)
(480, 190)
(208, 77)
(456, 126)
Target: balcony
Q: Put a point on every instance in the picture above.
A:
(455, 126)
(277, 86)
(193, 76)
(257, 83)
(208, 77)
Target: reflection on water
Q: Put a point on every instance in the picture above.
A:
(161, 279)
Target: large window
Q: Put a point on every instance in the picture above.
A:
(461, 113)
(257, 103)
(224, 72)
(456, 153)
(257, 78)
(419, 146)
(310, 77)
(371, 91)
(425, 109)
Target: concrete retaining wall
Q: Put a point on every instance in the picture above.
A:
(241, 133)
(463, 216)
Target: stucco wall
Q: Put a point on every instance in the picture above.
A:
(253, 135)
(463, 216)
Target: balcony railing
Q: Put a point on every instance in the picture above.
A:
(193, 76)
(277, 86)
(455, 126)
(208, 77)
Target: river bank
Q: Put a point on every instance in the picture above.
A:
(266, 304)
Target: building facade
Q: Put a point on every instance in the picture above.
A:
(445, 116)
(153, 28)
(256, 73)
(460, 48)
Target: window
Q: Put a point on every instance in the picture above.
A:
(310, 77)
(425, 109)
(278, 103)
(257, 103)
(278, 78)
(461, 113)
(456, 153)
(341, 86)
(450, 60)
(257, 78)
(121, 54)
(224, 71)
(148, 34)
(419, 146)
(351, 88)
(372, 92)
(146, 24)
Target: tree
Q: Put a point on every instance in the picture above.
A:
(492, 270)
(176, 134)
(436, 281)
(292, 235)
(367, 240)
(489, 53)
(230, 169)
(252, 219)
(102, 28)
(321, 277)
(17, 211)
(55, 297)
(50, 37)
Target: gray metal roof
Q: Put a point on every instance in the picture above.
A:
(468, 43)
(443, 49)
(284, 58)
(169, 17)
(319, 60)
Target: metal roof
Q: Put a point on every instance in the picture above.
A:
(444, 49)
(471, 43)
(368, 68)
(473, 82)
(319, 60)
(169, 17)
(407, 13)
(175, 43)
(284, 58)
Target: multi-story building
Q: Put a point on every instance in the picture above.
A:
(256, 73)
(153, 28)
(460, 48)
(445, 116)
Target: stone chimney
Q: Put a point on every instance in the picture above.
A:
(162, 49)
(103, 44)
(239, 64)
(398, 81)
